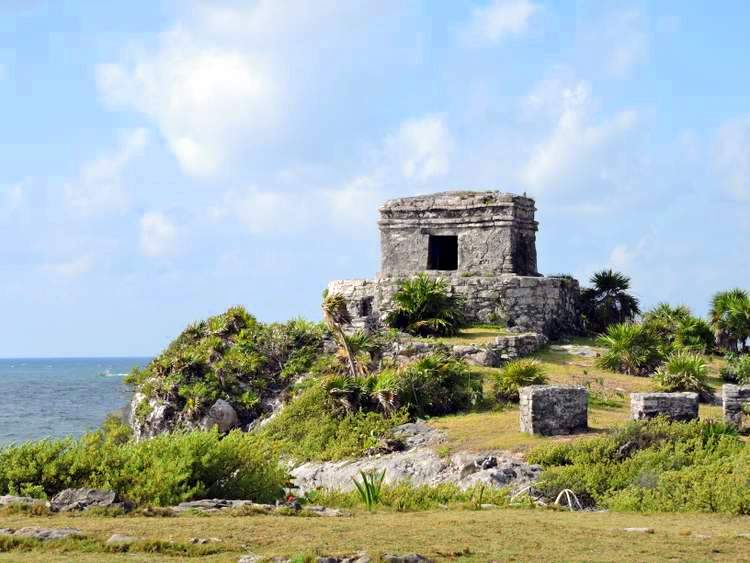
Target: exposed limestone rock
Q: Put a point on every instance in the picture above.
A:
(7, 500)
(43, 533)
(409, 558)
(551, 410)
(120, 539)
(81, 499)
(221, 415)
(677, 406)
(211, 506)
(420, 466)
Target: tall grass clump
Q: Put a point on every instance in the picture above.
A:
(629, 348)
(737, 369)
(424, 306)
(516, 374)
(369, 487)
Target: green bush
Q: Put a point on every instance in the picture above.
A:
(229, 356)
(161, 471)
(516, 374)
(437, 384)
(424, 307)
(607, 301)
(652, 466)
(737, 369)
(310, 428)
(630, 348)
(677, 329)
(684, 371)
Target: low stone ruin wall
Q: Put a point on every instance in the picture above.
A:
(525, 303)
(676, 406)
(493, 354)
(552, 410)
(732, 399)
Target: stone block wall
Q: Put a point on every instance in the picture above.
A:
(732, 399)
(552, 410)
(677, 406)
(524, 303)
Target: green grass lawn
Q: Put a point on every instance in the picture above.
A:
(477, 334)
(464, 535)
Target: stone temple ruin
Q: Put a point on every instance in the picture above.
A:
(484, 244)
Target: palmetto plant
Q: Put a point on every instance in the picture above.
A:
(517, 374)
(424, 307)
(678, 329)
(630, 348)
(336, 315)
(730, 318)
(684, 371)
(369, 487)
(608, 301)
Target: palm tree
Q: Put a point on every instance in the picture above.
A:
(608, 301)
(336, 315)
(425, 307)
(730, 318)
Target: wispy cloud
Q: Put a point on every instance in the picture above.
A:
(496, 21)
(158, 234)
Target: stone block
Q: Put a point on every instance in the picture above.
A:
(676, 406)
(732, 399)
(551, 410)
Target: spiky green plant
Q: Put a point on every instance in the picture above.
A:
(684, 371)
(516, 374)
(425, 307)
(630, 348)
(369, 487)
(737, 369)
(336, 316)
(608, 301)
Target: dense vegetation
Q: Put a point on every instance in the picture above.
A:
(607, 301)
(164, 470)
(425, 307)
(653, 466)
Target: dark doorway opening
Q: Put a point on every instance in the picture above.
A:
(442, 253)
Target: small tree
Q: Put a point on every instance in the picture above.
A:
(730, 319)
(608, 301)
(336, 316)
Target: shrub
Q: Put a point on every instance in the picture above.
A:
(737, 369)
(695, 334)
(684, 371)
(677, 329)
(517, 374)
(630, 349)
(437, 384)
(424, 307)
(162, 471)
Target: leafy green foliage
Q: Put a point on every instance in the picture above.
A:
(369, 487)
(161, 471)
(653, 466)
(737, 369)
(608, 302)
(630, 348)
(730, 318)
(516, 374)
(677, 329)
(230, 356)
(684, 371)
(310, 427)
(424, 307)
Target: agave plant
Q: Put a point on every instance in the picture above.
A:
(424, 307)
(386, 391)
(684, 371)
(630, 348)
(730, 319)
(517, 374)
(608, 301)
(343, 389)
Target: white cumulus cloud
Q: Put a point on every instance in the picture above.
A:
(499, 19)
(158, 234)
(422, 147)
(574, 140)
(99, 183)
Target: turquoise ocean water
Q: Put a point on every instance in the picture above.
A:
(42, 398)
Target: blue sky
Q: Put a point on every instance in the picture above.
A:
(163, 160)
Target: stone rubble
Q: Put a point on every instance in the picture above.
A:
(44, 534)
(71, 500)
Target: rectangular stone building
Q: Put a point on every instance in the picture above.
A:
(484, 244)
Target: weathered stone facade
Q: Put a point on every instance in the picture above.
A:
(484, 244)
(552, 410)
(732, 399)
(676, 406)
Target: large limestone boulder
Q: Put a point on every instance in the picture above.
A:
(221, 415)
(81, 499)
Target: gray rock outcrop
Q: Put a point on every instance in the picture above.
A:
(221, 415)
(43, 534)
(82, 499)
